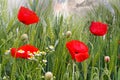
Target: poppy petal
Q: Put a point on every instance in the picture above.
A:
(77, 49)
(28, 47)
(27, 16)
(98, 28)
(14, 53)
(71, 49)
(25, 51)
(81, 57)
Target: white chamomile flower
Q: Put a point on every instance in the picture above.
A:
(44, 61)
(51, 47)
(43, 53)
(7, 52)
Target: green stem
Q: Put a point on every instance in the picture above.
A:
(73, 74)
(13, 72)
(0, 71)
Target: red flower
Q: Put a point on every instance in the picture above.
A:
(27, 16)
(78, 50)
(98, 28)
(26, 51)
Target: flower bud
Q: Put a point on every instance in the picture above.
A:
(68, 34)
(48, 76)
(24, 37)
(107, 59)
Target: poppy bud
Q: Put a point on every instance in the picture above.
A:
(107, 59)
(48, 76)
(68, 34)
(24, 37)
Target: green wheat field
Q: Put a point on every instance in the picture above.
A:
(49, 36)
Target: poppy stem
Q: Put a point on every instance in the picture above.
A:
(73, 74)
(42, 68)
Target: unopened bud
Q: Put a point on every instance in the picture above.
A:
(107, 59)
(68, 34)
(24, 37)
(48, 76)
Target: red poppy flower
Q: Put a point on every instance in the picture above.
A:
(26, 51)
(27, 16)
(78, 50)
(98, 28)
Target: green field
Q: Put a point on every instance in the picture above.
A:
(49, 36)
